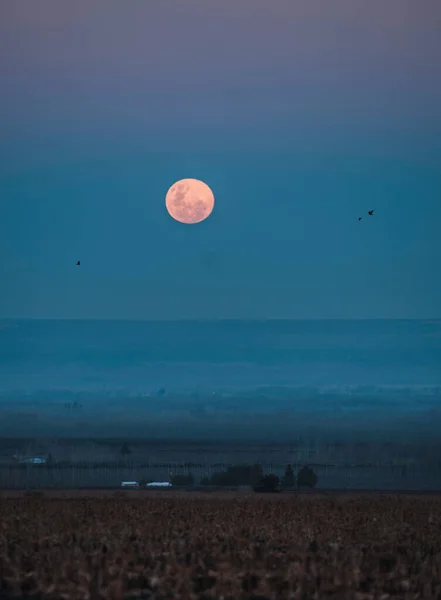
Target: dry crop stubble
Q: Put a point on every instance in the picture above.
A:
(167, 546)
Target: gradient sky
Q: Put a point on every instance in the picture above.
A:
(300, 115)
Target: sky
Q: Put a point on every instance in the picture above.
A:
(301, 116)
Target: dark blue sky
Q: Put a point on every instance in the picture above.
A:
(301, 116)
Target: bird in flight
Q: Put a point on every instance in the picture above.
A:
(359, 218)
(78, 263)
(371, 212)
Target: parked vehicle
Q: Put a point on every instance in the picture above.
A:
(158, 484)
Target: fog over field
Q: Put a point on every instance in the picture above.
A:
(231, 380)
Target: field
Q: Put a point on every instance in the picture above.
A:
(224, 545)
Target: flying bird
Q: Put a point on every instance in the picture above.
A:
(78, 263)
(371, 212)
(359, 218)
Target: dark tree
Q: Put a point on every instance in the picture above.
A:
(306, 478)
(288, 480)
(256, 475)
(125, 450)
(268, 483)
(237, 475)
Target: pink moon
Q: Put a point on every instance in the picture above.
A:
(189, 201)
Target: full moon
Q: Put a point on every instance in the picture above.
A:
(189, 201)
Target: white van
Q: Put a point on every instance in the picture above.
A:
(129, 484)
(158, 484)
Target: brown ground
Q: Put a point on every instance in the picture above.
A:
(115, 493)
(166, 545)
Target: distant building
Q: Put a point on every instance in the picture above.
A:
(33, 461)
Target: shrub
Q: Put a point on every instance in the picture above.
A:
(268, 483)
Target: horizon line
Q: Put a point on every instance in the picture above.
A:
(219, 319)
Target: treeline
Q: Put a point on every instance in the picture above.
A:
(254, 477)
